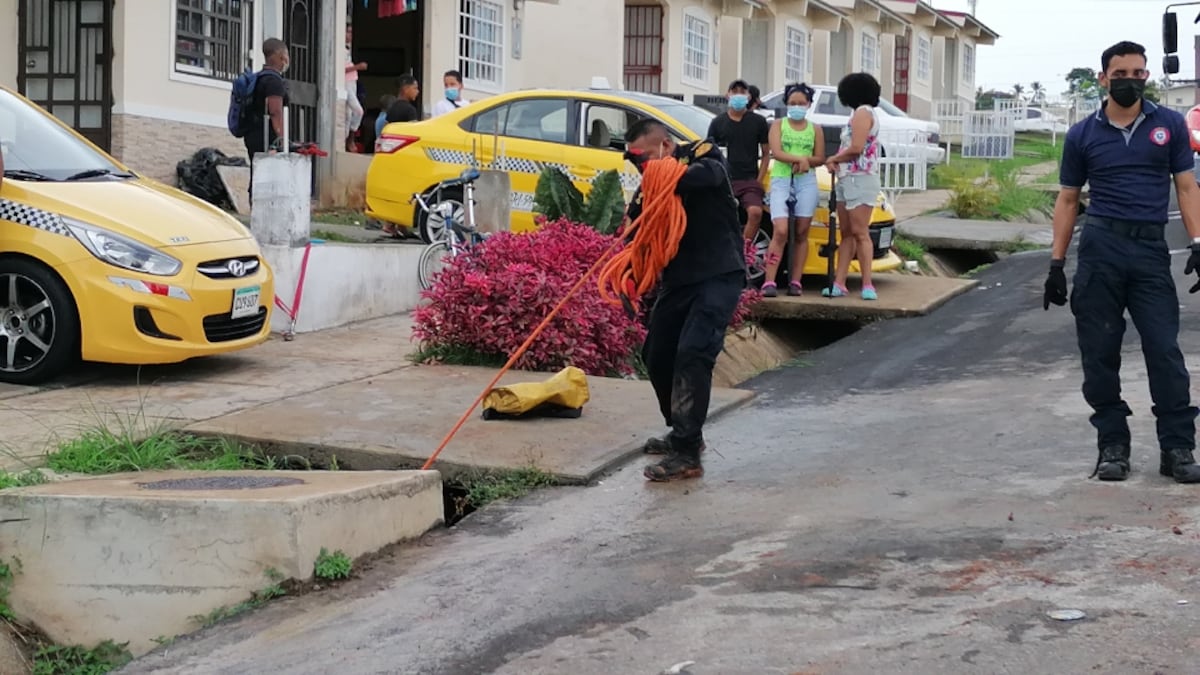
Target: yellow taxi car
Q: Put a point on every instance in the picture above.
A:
(581, 132)
(100, 264)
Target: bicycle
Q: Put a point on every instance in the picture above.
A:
(458, 236)
(451, 199)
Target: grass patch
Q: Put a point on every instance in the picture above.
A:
(1019, 246)
(339, 217)
(332, 566)
(484, 487)
(1029, 150)
(8, 571)
(75, 660)
(909, 249)
(257, 599)
(1000, 196)
(337, 237)
(976, 271)
(455, 355)
(102, 451)
(23, 479)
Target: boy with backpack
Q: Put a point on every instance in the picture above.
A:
(257, 103)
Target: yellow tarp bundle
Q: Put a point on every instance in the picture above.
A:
(563, 395)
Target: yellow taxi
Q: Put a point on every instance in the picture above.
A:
(581, 132)
(100, 264)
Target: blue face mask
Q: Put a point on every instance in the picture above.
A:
(797, 112)
(739, 101)
(451, 94)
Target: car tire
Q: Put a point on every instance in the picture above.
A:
(55, 326)
(429, 233)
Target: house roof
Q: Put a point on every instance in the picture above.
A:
(923, 14)
(972, 27)
(890, 21)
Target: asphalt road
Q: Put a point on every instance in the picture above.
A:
(912, 499)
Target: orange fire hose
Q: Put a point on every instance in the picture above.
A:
(633, 271)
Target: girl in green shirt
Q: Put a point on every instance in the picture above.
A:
(797, 149)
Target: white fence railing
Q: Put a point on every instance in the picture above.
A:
(988, 134)
(948, 113)
(904, 164)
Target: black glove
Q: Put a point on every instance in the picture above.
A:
(1056, 285)
(1193, 265)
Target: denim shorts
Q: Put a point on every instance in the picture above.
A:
(805, 187)
(860, 189)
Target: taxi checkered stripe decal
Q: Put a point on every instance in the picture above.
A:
(32, 217)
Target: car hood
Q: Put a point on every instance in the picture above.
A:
(143, 209)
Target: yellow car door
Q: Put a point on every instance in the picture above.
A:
(523, 137)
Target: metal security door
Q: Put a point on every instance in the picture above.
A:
(903, 61)
(300, 29)
(643, 48)
(65, 62)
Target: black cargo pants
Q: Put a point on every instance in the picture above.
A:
(1127, 266)
(686, 334)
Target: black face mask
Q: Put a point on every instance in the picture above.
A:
(1126, 91)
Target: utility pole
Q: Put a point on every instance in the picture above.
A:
(971, 5)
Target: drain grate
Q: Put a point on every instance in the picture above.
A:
(221, 483)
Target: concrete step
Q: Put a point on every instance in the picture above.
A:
(132, 557)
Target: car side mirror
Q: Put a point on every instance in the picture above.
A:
(1170, 35)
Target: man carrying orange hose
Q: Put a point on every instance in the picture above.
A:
(696, 295)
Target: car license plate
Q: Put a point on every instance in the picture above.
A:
(885, 237)
(245, 302)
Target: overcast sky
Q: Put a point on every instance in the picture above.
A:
(1044, 39)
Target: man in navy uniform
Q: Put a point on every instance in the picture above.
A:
(1128, 153)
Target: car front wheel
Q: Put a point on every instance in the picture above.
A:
(39, 323)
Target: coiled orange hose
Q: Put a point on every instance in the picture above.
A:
(657, 231)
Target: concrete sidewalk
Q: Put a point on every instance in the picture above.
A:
(976, 235)
(900, 295)
(350, 392)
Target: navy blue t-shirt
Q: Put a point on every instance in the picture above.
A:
(1128, 170)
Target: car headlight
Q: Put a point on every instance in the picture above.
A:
(123, 252)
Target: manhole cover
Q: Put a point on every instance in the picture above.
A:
(221, 483)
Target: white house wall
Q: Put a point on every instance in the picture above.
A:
(8, 44)
(563, 44)
(920, 90)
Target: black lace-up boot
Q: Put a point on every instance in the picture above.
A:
(1180, 465)
(1113, 463)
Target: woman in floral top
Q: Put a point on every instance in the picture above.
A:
(857, 167)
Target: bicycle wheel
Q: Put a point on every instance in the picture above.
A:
(433, 259)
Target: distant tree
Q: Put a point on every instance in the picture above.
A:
(1018, 90)
(1039, 93)
(1082, 84)
(1154, 92)
(986, 100)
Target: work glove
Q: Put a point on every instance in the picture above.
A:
(1056, 285)
(1193, 265)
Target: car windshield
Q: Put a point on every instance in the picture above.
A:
(35, 148)
(695, 119)
(891, 109)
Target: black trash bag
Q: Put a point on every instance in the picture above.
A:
(198, 176)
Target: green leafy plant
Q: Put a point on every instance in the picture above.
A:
(974, 198)
(603, 210)
(23, 479)
(330, 566)
(76, 660)
(7, 571)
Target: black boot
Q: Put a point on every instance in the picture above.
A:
(657, 446)
(1113, 463)
(676, 466)
(1180, 465)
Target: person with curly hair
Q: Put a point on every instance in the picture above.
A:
(856, 165)
(797, 149)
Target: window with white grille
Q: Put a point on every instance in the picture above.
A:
(870, 53)
(212, 37)
(697, 49)
(968, 64)
(481, 44)
(924, 58)
(795, 55)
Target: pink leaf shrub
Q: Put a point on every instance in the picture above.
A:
(489, 300)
